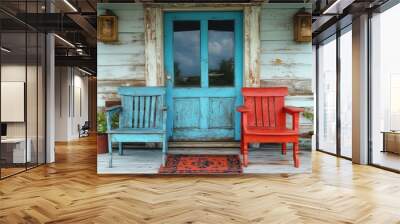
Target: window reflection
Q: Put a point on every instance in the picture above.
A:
(385, 89)
(346, 94)
(187, 53)
(22, 65)
(327, 96)
(221, 52)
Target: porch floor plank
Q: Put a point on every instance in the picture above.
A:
(148, 161)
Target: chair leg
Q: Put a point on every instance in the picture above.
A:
(241, 141)
(164, 150)
(283, 148)
(110, 151)
(245, 153)
(120, 150)
(296, 154)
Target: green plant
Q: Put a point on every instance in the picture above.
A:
(102, 122)
(115, 120)
(308, 115)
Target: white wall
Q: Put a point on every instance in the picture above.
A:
(16, 73)
(71, 102)
(33, 126)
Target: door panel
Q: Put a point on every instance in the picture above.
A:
(220, 112)
(203, 63)
(187, 113)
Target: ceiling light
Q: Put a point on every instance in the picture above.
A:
(70, 5)
(64, 40)
(84, 71)
(5, 50)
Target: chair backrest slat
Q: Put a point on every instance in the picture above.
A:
(159, 104)
(259, 111)
(141, 111)
(249, 102)
(141, 107)
(279, 104)
(272, 112)
(136, 113)
(266, 106)
(147, 111)
(152, 111)
(126, 115)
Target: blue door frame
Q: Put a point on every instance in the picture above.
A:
(203, 98)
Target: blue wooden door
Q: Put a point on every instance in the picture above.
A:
(204, 65)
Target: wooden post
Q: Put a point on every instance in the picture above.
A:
(252, 46)
(154, 72)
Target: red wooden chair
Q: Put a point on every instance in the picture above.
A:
(264, 120)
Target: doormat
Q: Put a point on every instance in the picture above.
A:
(202, 164)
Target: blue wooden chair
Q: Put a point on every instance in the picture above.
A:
(142, 118)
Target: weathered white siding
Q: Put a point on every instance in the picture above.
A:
(280, 61)
(123, 62)
(285, 62)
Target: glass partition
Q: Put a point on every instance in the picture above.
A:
(32, 97)
(13, 86)
(22, 77)
(385, 89)
(41, 97)
(327, 96)
(346, 93)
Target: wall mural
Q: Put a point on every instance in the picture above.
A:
(205, 62)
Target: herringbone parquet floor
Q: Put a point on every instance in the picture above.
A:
(70, 191)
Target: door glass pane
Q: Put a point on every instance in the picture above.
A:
(221, 36)
(327, 97)
(346, 94)
(187, 53)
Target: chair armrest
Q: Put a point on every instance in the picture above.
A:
(295, 112)
(292, 110)
(243, 109)
(164, 110)
(109, 113)
(113, 108)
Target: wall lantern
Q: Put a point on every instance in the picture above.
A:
(107, 27)
(302, 27)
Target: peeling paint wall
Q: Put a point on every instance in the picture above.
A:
(282, 61)
(121, 63)
(285, 62)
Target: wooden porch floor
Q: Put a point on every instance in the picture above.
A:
(148, 161)
(70, 191)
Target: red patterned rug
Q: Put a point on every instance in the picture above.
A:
(202, 164)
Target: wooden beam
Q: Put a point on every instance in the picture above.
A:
(160, 47)
(154, 72)
(199, 6)
(252, 46)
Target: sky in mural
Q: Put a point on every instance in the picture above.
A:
(187, 50)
